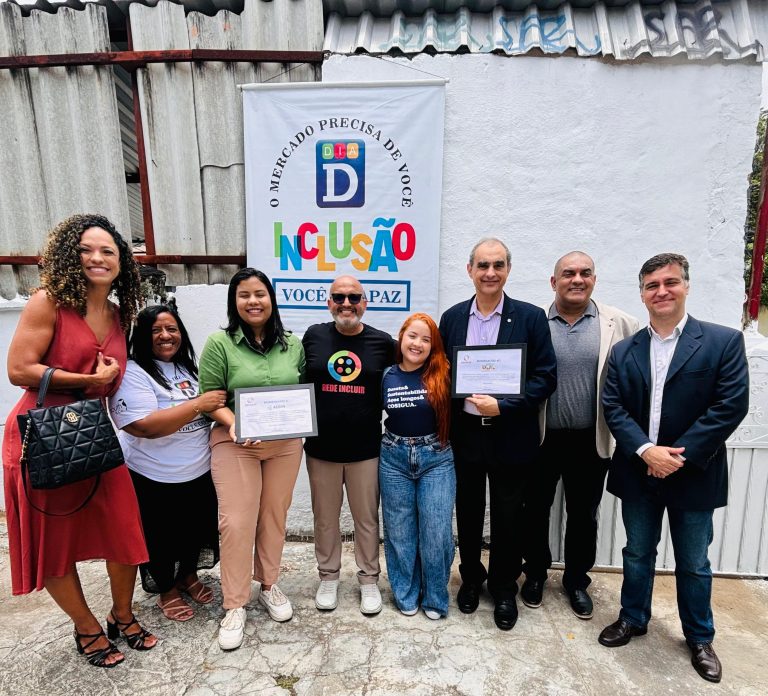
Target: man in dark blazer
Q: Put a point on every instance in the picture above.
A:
(674, 393)
(494, 438)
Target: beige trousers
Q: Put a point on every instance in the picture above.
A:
(327, 481)
(254, 486)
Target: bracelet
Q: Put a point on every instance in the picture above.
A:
(197, 410)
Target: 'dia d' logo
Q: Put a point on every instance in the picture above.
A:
(344, 366)
(340, 173)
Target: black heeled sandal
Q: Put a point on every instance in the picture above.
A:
(136, 641)
(97, 658)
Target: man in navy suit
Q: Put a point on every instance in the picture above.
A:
(495, 439)
(673, 395)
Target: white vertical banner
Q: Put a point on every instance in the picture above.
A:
(340, 179)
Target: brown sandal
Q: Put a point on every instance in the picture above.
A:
(202, 594)
(176, 609)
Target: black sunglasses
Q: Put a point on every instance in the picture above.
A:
(353, 297)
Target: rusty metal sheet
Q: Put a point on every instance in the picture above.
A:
(193, 120)
(166, 96)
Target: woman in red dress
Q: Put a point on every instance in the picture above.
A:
(69, 323)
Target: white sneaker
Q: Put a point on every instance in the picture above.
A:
(326, 598)
(370, 599)
(409, 612)
(231, 630)
(277, 603)
(432, 614)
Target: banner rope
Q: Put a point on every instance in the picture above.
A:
(410, 67)
(391, 62)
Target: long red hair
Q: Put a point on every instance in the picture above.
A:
(437, 373)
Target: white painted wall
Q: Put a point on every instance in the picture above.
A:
(9, 395)
(621, 160)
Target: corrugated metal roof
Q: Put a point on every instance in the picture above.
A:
(117, 9)
(730, 29)
(386, 8)
(346, 8)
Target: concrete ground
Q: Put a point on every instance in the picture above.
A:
(342, 652)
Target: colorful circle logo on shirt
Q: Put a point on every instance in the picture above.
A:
(344, 366)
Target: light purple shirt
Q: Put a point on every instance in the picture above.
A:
(482, 331)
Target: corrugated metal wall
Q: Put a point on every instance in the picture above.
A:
(62, 152)
(740, 545)
(60, 149)
(193, 123)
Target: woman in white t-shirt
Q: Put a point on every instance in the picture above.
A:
(164, 435)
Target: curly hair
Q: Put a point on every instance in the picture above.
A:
(62, 275)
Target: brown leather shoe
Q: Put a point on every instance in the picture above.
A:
(705, 662)
(619, 633)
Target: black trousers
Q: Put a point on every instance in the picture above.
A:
(180, 522)
(476, 461)
(570, 455)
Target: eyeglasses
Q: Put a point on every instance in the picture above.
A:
(353, 297)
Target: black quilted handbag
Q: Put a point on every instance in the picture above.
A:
(66, 444)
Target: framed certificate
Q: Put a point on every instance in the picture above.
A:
(275, 413)
(493, 370)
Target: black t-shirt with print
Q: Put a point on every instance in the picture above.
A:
(346, 372)
(406, 404)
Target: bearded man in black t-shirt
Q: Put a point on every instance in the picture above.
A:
(345, 361)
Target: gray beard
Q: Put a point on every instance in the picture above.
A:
(347, 324)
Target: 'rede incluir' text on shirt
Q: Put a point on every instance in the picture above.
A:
(346, 372)
(409, 413)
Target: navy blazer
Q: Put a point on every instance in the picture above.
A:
(706, 396)
(516, 432)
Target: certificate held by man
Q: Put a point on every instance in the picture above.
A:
(275, 413)
(492, 370)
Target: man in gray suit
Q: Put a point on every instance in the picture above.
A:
(577, 445)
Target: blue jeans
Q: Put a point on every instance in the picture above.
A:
(691, 532)
(418, 488)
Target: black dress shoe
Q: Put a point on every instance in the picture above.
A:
(705, 662)
(619, 633)
(532, 592)
(581, 603)
(505, 614)
(468, 597)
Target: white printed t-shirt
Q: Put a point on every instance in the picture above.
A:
(181, 456)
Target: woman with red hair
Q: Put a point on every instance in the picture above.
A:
(416, 474)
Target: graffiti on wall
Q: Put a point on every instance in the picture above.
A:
(699, 32)
(547, 32)
(413, 36)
